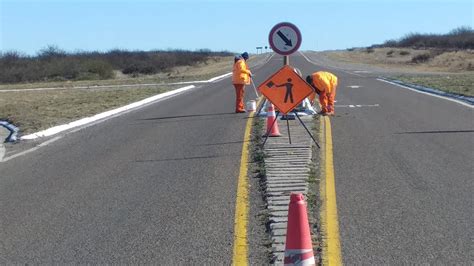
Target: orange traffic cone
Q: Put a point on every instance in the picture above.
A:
(298, 249)
(272, 125)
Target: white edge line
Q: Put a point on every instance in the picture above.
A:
(54, 130)
(124, 86)
(30, 150)
(427, 93)
(214, 79)
(337, 68)
(2, 152)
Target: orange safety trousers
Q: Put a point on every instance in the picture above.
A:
(326, 99)
(239, 97)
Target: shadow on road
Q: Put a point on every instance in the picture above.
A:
(188, 158)
(220, 143)
(185, 116)
(191, 117)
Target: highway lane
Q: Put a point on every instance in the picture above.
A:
(403, 173)
(156, 185)
(159, 184)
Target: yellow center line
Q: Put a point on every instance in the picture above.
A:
(330, 224)
(240, 256)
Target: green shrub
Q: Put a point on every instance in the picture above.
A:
(459, 38)
(98, 70)
(390, 53)
(421, 58)
(369, 50)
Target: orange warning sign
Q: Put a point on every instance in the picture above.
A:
(285, 89)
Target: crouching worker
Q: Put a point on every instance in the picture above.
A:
(240, 77)
(325, 84)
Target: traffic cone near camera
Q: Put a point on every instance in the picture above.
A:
(272, 124)
(298, 248)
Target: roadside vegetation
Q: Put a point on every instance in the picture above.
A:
(461, 38)
(439, 61)
(461, 84)
(314, 200)
(79, 76)
(53, 64)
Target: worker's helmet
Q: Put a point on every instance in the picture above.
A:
(245, 55)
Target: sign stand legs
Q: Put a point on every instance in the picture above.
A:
(307, 130)
(288, 126)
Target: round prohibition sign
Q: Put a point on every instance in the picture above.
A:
(285, 38)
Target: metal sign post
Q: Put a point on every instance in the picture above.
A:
(285, 39)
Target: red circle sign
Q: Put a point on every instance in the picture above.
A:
(285, 38)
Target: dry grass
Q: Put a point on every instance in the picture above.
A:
(37, 110)
(213, 67)
(450, 71)
(462, 84)
(401, 58)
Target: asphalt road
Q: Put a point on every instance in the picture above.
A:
(404, 173)
(156, 185)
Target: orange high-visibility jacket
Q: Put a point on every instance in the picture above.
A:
(324, 81)
(241, 73)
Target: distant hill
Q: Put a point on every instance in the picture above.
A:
(54, 64)
(459, 38)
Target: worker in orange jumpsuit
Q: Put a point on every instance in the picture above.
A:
(240, 77)
(325, 85)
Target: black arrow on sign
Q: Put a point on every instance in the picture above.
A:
(286, 40)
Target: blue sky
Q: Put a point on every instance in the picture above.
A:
(28, 26)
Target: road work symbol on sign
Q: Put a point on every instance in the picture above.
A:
(289, 87)
(285, 38)
(285, 89)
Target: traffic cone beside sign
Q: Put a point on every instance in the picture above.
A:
(272, 124)
(298, 249)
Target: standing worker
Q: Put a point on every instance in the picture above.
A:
(240, 77)
(325, 84)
